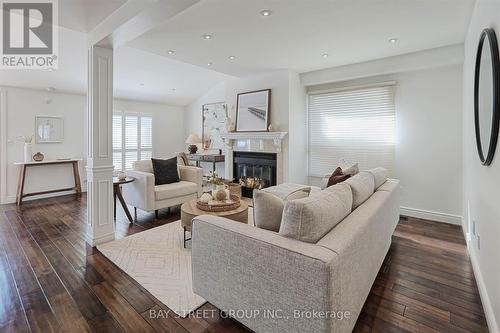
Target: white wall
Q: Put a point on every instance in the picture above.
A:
(280, 84)
(428, 140)
(19, 108)
(481, 184)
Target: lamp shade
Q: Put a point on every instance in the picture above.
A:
(193, 138)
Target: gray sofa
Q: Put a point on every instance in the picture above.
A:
(288, 281)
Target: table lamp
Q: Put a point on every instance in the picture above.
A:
(192, 140)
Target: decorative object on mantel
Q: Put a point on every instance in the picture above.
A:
(486, 96)
(214, 122)
(28, 147)
(38, 157)
(49, 129)
(192, 140)
(252, 111)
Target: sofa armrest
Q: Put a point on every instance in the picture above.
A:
(192, 174)
(239, 267)
(141, 192)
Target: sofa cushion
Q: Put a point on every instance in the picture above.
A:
(362, 186)
(389, 185)
(165, 171)
(173, 190)
(268, 203)
(143, 166)
(309, 219)
(379, 175)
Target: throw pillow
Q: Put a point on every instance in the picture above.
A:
(165, 171)
(309, 219)
(349, 169)
(337, 177)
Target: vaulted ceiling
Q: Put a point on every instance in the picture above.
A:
(301, 35)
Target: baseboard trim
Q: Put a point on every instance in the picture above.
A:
(12, 198)
(430, 215)
(485, 299)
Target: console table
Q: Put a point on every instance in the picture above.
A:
(48, 163)
(212, 158)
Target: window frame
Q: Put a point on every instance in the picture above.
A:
(123, 150)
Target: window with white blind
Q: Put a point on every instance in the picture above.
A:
(132, 139)
(355, 125)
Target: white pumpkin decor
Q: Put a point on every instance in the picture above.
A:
(205, 197)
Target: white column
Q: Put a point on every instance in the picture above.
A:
(100, 153)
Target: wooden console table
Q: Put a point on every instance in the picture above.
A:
(211, 158)
(22, 178)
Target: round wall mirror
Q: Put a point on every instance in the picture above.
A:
(486, 99)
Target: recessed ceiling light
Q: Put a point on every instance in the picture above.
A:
(232, 57)
(170, 51)
(265, 12)
(325, 55)
(393, 40)
(207, 36)
(209, 64)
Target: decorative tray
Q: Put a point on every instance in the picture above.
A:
(220, 206)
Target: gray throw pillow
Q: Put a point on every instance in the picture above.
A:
(311, 218)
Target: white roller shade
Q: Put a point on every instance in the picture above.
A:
(355, 125)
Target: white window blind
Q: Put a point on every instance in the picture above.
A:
(355, 125)
(132, 139)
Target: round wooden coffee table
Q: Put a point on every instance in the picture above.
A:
(189, 211)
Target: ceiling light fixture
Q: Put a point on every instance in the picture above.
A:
(393, 40)
(325, 55)
(232, 57)
(265, 12)
(207, 36)
(170, 51)
(209, 64)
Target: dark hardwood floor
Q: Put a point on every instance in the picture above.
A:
(52, 281)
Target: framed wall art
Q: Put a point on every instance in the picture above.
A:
(252, 111)
(214, 123)
(49, 129)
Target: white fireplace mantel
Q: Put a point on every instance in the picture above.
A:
(276, 137)
(247, 141)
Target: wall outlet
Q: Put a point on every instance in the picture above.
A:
(478, 242)
(474, 227)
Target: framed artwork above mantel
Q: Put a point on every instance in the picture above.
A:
(252, 111)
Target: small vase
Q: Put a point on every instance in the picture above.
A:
(28, 152)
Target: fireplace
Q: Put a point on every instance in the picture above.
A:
(254, 170)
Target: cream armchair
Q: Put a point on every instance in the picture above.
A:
(143, 194)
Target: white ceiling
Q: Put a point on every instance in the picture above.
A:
(299, 31)
(84, 15)
(295, 36)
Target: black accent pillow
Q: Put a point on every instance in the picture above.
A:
(165, 171)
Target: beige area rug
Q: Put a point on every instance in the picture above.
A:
(156, 259)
